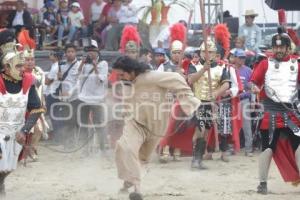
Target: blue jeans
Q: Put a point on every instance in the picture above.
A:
(61, 30)
(73, 31)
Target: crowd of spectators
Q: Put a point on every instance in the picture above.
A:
(62, 22)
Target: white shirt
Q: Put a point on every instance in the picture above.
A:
(161, 68)
(52, 75)
(69, 85)
(18, 20)
(128, 14)
(92, 86)
(75, 18)
(96, 10)
(252, 36)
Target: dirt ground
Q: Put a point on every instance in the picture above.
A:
(79, 176)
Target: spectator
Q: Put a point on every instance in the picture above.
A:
(245, 97)
(68, 93)
(251, 32)
(195, 62)
(52, 83)
(96, 11)
(240, 43)
(103, 17)
(112, 42)
(20, 18)
(146, 57)
(250, 55)
(49, 24)
(99, 33)
(62, 20)
(128, 13)
(76, 22)
(93, 74)
(159, 57)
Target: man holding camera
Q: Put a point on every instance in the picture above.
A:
(63, 109)
(93, 75)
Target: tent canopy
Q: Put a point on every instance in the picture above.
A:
(283, 4)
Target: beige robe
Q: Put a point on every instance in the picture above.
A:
(147, 115)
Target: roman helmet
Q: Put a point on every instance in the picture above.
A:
(130, 40)
(9, 54)
(13, 59)
(178, 37)
(281, 38)
(28, 53)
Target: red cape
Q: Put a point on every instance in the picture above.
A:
(179, 132)
(284, 158)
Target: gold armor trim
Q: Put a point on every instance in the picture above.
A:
(8, 78)
(201, 87)
(37, 110)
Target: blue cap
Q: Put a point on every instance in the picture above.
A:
(50, 4)
(159, 51)
(240, 53)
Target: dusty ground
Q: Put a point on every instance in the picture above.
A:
(78, 177)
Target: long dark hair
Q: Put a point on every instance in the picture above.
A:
(129, 65)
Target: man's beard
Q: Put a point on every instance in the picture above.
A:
(280, 56)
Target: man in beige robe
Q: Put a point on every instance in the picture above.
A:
(147, 114)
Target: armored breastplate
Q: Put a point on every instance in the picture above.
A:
(281, 81)
(12, 112)
(201, 87)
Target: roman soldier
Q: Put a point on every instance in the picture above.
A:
(39, 129)
(220, 83)
(130, 42)
(226, 112)
(277, 79)
(177, 46)
(17, 95)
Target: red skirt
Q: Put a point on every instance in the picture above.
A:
(179, 132)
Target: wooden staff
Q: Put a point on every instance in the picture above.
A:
(202, 12)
